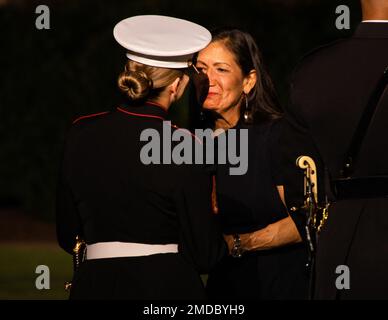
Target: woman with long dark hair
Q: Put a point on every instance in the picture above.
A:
(267, 259)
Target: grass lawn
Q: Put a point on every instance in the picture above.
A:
(18, 266)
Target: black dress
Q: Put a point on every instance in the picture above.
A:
(247, 203)
(107, 194)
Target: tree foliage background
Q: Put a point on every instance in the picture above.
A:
(49, 77)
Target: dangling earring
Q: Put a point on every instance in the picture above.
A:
(247, 112)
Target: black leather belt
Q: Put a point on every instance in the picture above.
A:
(360, 188)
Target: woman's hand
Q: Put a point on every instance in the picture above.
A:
(278, 234)
(229, 241)
(247, 240)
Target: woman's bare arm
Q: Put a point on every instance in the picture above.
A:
(278, 234)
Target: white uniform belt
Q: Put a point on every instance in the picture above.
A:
(117, 249)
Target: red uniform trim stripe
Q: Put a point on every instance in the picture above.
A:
(90, 116)
(155, 104)
(140, 114)
(161, 118)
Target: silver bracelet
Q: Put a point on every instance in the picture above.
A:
(236, 250)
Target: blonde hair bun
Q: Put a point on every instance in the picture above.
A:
(136, 85)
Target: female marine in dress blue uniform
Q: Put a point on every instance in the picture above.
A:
(148, 228)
